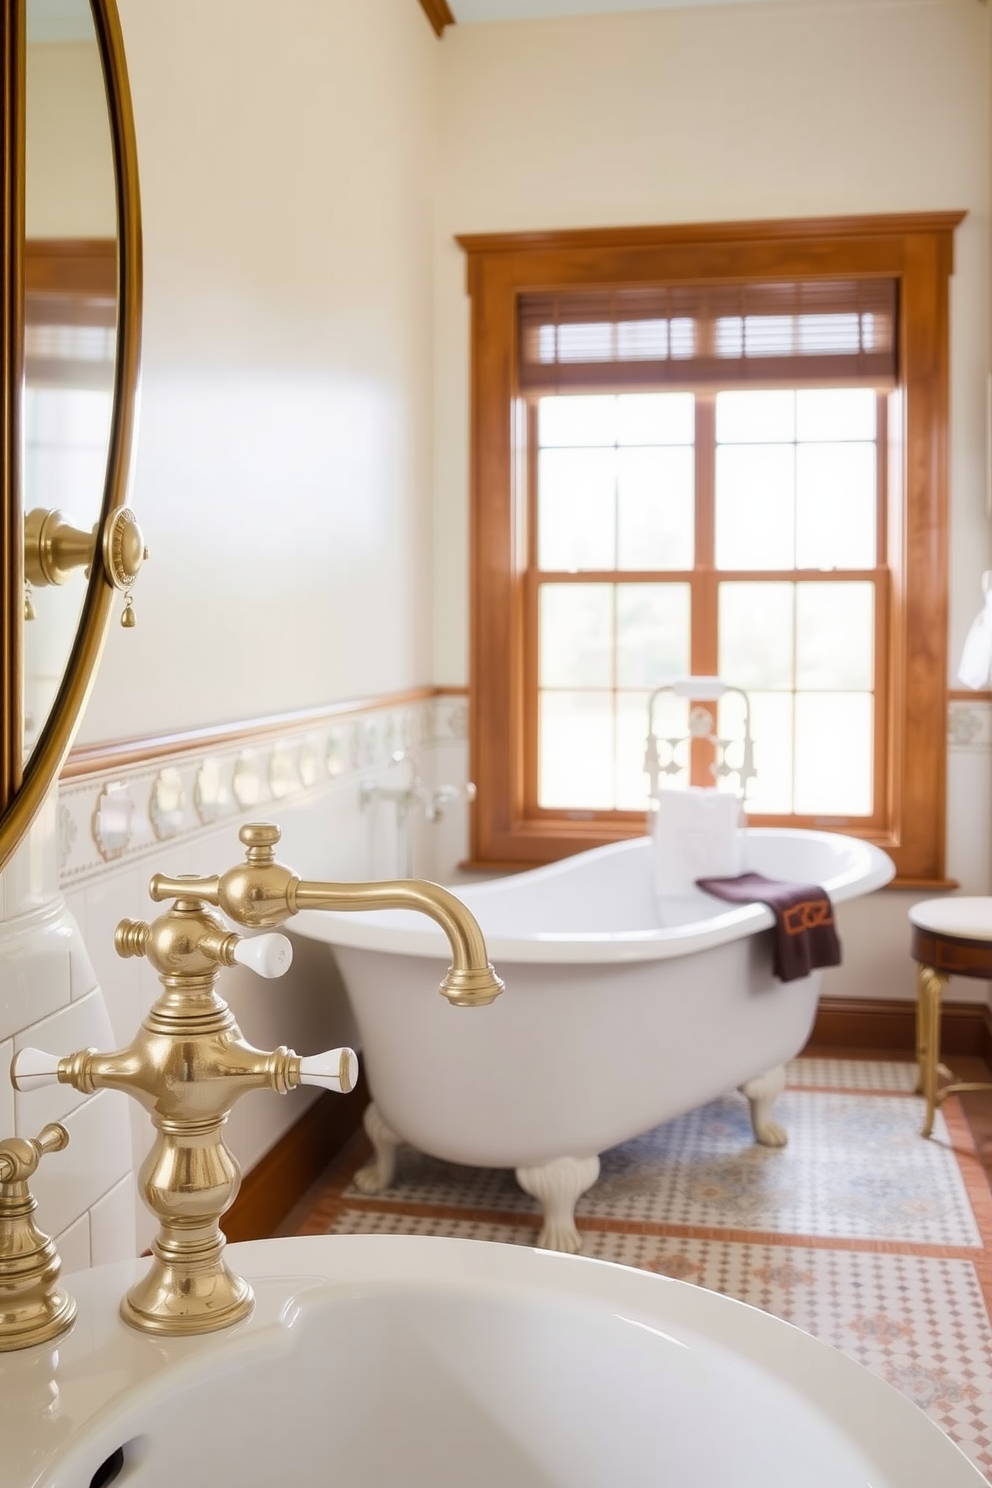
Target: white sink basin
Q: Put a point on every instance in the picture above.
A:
(387, 1362)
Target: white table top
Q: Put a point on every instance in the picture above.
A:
(970, 918)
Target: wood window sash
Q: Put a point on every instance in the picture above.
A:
(918, 250)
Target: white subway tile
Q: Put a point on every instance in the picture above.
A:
(73, 1245)
(69, 1183)
(80, 1025)
(108, 901)
(7, 1128)
(82, 977)
(34, 967)
(112, 1226)
(31, 876)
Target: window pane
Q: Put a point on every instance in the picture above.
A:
(576, 518)
(575, 752)
(771, 728)
(642, 340)
(833, 754)
(834, 636)
(755, 506)
(585, 343)
(631, 783)
(835, 506)
(652, 633)
(655, 508)
(835, 413)
(575, 636)
(755, 417)
(755, 628)
(656, 418)
(577, 421)
(67, 416)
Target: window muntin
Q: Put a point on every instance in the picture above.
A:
(794, 491)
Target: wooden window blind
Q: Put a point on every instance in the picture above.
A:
(836, 332)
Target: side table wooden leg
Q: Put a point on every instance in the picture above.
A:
(931, 985)
(921, 1026)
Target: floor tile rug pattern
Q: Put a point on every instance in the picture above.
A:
(859, 1232)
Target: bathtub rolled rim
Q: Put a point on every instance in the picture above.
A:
(869, 869)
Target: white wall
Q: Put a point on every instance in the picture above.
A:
(283, 470)
(715, 114)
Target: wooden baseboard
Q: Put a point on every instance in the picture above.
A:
(281, 1178)
(856, 1023)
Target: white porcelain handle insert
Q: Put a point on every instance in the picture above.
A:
(268, 955)
(33, 1069)
(336, 1069)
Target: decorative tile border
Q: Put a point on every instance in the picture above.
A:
(182, 792)
(969, 725)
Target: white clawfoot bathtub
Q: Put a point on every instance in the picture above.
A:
(616, 1016)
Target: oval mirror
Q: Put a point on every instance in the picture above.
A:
(71, 321)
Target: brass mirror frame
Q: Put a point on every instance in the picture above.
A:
(23, 787)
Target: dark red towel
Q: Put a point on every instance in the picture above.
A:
(805, 934)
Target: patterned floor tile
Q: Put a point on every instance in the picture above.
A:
(705, 1170)
(852, 1074)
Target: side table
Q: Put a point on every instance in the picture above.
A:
(951, 937)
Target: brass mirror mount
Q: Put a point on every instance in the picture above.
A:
(53, 548)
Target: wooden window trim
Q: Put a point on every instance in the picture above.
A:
(438, 13)
(916, 249)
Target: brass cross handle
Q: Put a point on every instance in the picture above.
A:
(20, 1156)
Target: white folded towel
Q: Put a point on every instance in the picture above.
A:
(975, 665)
(696, 835)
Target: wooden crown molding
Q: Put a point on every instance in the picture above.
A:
(438, 13)
(119, 754)
(680, 233)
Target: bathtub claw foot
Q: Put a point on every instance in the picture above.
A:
(557, 1185)
(379, 1172)
(762, 1094)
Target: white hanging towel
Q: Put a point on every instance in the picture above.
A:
(975, 666)
(696, 835)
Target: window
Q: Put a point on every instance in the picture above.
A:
(784, 386)
(734, 535)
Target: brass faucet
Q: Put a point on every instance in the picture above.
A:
(260, 893)
(188, 1063)
(32, 1309)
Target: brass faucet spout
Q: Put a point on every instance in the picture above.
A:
(261, 893)
(471, 980)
